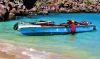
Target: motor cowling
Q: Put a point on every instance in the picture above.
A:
(15, 27)
(94, 28)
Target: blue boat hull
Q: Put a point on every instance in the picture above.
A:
(54, 30)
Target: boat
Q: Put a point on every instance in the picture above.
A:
(49, 28)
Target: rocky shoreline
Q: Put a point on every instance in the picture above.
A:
(10, 9)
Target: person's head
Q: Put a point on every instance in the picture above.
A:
(72, 21)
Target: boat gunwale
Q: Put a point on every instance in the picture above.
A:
(58, 26)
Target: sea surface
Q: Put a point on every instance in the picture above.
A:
(14, 45)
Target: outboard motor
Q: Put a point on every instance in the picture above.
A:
(15, 27)
(94, 28)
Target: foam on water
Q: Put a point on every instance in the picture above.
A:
(10, 51)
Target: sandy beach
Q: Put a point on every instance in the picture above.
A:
(9, 51)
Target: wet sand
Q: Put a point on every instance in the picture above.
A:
(9, 51)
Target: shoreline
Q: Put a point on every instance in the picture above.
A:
(9, 51)
(10, 9)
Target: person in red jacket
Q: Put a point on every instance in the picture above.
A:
(73, 26)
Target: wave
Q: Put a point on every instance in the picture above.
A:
(9, 51)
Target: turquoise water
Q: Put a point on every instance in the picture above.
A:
(81, 45)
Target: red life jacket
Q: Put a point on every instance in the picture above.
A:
(73, 28)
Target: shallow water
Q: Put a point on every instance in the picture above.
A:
(79, 46)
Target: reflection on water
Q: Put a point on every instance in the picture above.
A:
(72, 38)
